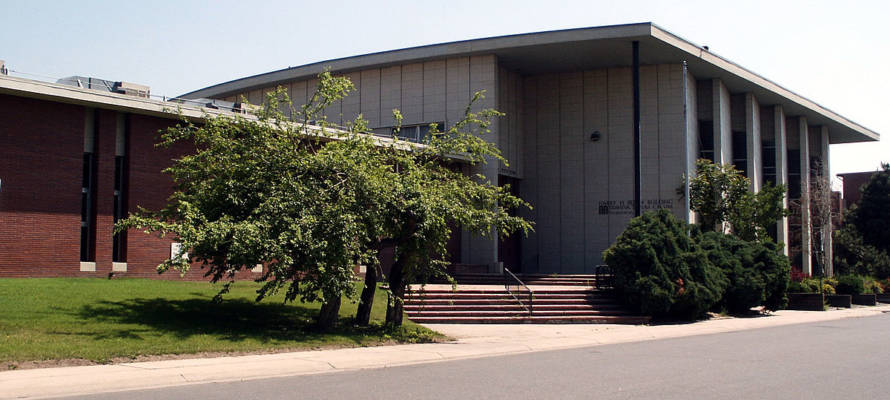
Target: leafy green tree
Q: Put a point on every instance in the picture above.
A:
(720, 196)
(862, 245)
(261, 189)
(311, 202)
(434, 194)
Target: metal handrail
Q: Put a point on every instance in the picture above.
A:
(531, 294)
(603, 276)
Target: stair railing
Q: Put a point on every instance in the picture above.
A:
(511, 279)
(603, 277)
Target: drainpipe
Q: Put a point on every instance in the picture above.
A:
(636, 88)
(686, 127)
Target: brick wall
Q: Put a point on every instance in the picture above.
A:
(41, 158)
(41, 148)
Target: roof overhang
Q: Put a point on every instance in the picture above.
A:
(55, 92)
(578, 49)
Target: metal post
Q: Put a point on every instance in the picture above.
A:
(636, 88)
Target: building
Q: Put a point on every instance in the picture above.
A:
(569, 128)
(853, 183)
(573, 101)
(73, 160)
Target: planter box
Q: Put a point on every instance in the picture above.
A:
(865, 299)
(806, 301)
(883, 298)
(839, 300)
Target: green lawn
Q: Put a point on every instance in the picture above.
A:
(99, 320)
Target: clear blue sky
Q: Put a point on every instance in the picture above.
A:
(833, 52)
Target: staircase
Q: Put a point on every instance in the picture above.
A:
(484, 300)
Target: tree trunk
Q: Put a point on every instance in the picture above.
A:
(395, 308)
(363, 315)
(327, 316)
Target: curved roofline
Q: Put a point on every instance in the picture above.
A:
(698, 58)
(317, 67)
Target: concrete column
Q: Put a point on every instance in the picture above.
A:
(752, 136)
(722, 123)
(781, 171)
(827, 228)
(806, 263)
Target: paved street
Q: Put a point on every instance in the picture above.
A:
(845, 358)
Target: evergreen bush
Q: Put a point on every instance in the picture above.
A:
(850, 284)
(660, 269)
(757, 274)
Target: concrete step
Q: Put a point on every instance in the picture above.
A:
(514, 306)
(484, 301)
(536, 297)
(601, 319)
(515, 313)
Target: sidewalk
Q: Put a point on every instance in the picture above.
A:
(471, 341)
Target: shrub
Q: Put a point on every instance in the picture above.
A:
(850, 284)
(873, 286)
(660, 270)
(853, 256)
(757, 274)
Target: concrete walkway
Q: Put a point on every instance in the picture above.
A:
(471, 341)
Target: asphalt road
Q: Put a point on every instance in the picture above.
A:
(841, 359)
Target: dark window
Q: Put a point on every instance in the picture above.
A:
(706, 140)
(121, 178)
(740, 151)
(119, 241)
(88, 209)
(768, 155)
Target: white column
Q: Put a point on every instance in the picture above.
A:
(722, 123)
(781, 171)
(752, 136)
(827, 228)
(806, 263)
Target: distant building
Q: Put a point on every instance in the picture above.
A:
(853, 183)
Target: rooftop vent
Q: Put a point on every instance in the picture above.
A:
(127, 88)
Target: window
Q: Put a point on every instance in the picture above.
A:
(793, 174)
(706, 140)
(740, 152)
(768, 155)
(121, 175)
(414, 133)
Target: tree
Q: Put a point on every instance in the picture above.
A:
(434, 194)
(863, 243)
(310, 202)
(263, 189)
(821, 216)
(871, 215)
(720, 195)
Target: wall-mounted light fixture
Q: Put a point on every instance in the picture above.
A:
(595, 136)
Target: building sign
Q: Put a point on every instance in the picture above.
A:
(626, 207)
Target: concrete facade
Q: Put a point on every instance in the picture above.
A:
(582, 190)
(567, 133)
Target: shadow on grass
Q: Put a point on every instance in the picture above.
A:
(232, 320)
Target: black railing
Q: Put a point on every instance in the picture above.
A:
(603, 275)
(511, 280)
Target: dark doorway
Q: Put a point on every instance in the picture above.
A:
(509, 248)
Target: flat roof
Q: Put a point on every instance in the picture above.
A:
(61, 93)
(576, 49)
(101, 99)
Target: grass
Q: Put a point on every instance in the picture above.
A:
(103, 320)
